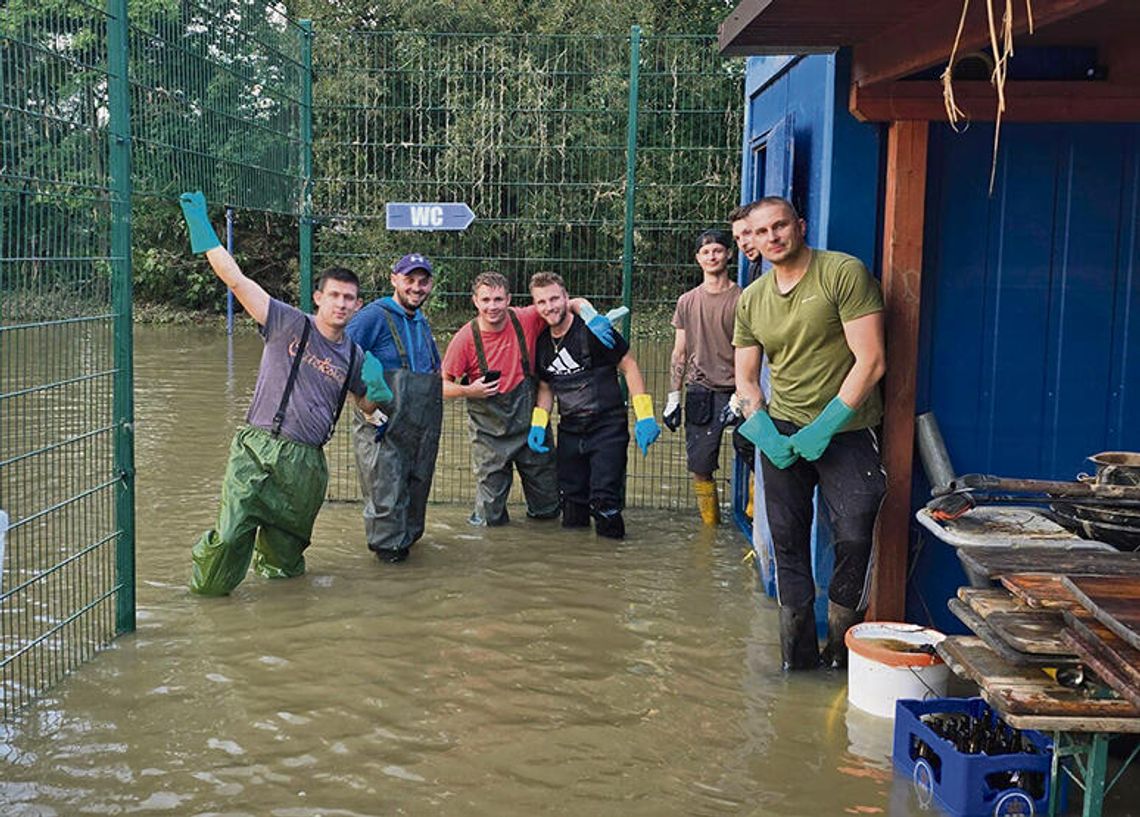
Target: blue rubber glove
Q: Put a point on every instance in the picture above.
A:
(603, 330)
(645, 430)
(372, 373)
(812, 440)
(202, 235)
(536, 439)
(762, 433)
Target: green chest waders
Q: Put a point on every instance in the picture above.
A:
(396, 470)
(271, 493)
(498, 428)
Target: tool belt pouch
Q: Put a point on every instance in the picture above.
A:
(699, 406)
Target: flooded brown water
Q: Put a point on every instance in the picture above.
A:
(519, 671)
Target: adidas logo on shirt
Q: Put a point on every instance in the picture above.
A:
(564, 364)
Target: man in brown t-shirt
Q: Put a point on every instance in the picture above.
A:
(702, 359)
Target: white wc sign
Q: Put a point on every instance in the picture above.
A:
(431, 216)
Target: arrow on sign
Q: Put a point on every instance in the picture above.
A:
(403, 215)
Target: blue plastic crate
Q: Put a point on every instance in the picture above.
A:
(969, 785)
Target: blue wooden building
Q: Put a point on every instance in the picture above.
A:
(1014, 315)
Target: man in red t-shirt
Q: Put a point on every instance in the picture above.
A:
(494, 369)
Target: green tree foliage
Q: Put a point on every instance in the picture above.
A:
(519, 110)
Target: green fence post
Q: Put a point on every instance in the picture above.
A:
(306, 221)
(119, 149)
(630, 174)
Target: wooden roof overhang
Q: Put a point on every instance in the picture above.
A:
(891, 40)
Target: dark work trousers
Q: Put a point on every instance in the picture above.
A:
(591, 475)
(852, 484)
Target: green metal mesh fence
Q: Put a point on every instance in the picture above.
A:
(105, 117)
(210, 96)
(535, 134)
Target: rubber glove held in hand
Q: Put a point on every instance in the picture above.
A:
(761, 432)
(645, 430)
(372, 373)
(202, 235)
(812, 440)
(672, 414)
(536, 439)
(616, 314)
(597, 324)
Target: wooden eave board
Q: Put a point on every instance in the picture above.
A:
(1029, 699)
(1115, 601)
(996, 562)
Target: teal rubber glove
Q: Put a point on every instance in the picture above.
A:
(372, 373)
(762, 433)
(536, 439)
(202, 235)
(603, 330)
(812, 440)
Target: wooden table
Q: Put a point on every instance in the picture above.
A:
(1028, 698)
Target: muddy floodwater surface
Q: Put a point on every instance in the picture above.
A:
(516, 671)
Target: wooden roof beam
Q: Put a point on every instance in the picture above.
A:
(1025, 101)
(915, 44)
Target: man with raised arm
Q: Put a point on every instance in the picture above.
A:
(818, 315)
(593, 431)
(276, 475)
(702, 360)
(396, 449)
(490, 362)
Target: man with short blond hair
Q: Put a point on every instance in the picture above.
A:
(490, 362)
(593, 432)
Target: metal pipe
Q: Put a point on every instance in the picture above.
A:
(932, 451)
(230, 250)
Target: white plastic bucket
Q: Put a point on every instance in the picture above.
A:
(880, 670)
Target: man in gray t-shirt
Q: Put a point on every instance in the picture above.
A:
(276, 475)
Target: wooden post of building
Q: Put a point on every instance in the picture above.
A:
(903, 218)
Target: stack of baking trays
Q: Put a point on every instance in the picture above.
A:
(1056, 636)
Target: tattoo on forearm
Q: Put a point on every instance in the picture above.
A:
(677, 375)
(745, 406)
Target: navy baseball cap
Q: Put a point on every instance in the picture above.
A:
(412, 262)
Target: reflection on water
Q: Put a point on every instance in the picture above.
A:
(519, 671)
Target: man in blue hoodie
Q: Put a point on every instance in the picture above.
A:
(396, 446)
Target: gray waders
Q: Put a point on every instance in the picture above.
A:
(498, 427)
(396, 470)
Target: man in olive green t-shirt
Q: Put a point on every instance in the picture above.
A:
(818, 316)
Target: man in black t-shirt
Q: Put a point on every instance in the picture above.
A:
(592, 432)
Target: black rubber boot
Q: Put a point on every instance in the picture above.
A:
(609, 524)
(798, 645)
(575, 515)
(839, 620)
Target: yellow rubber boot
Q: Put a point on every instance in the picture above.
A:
(707, 501)
(751, 506)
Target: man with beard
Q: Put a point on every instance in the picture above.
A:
(396, 446)
(276, 474)
(819, 317)
(490, 363)
(593, 432)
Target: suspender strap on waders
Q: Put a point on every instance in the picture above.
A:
(279, 417)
